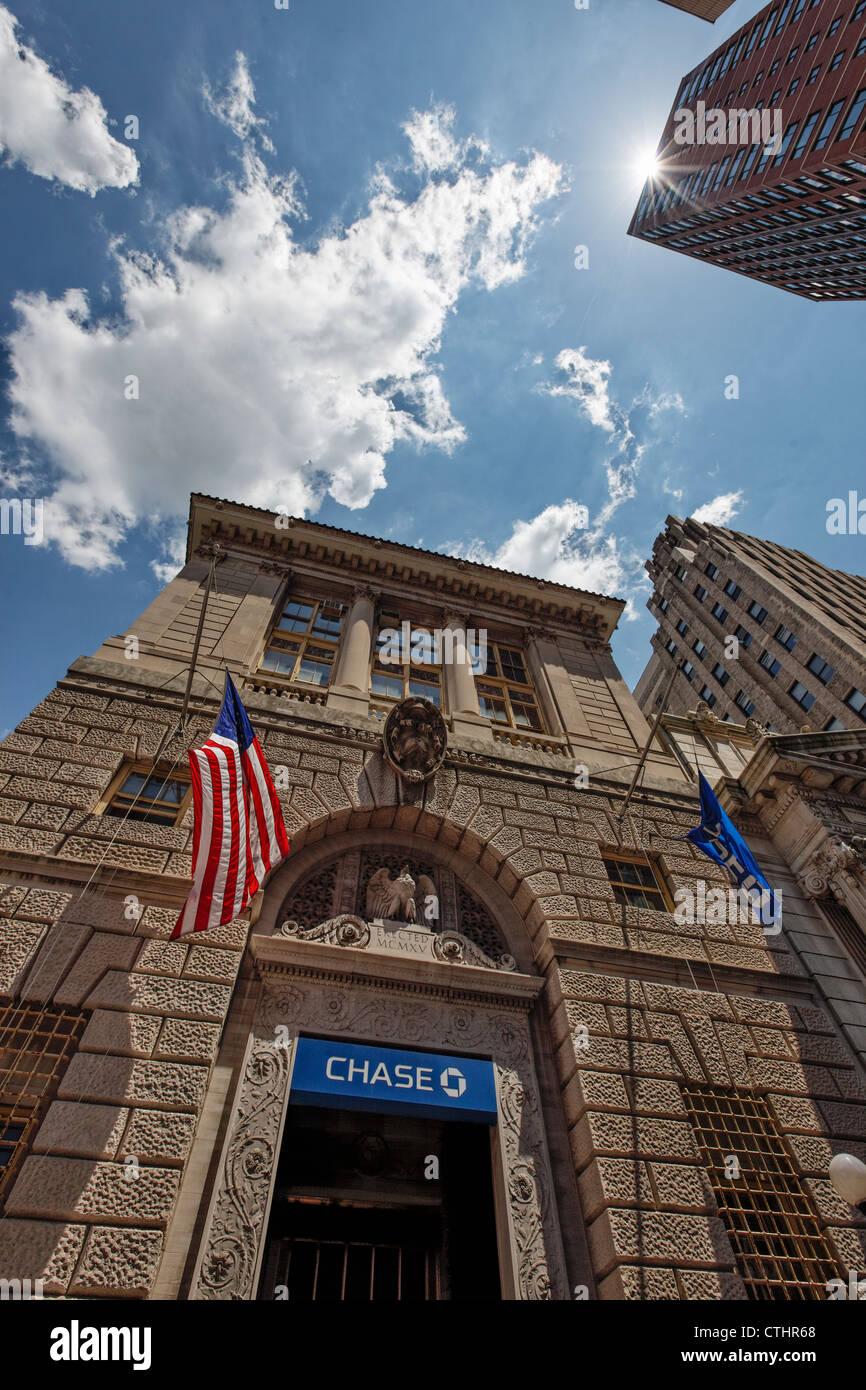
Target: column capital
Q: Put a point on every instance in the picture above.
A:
(368, 592)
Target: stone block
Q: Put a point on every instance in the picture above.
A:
(159, 1136)
(77, 1189)
(45, 1250)
(118, 1262)
(104, 951)
(79, 1129)
(123, 1034)
(155, 994)
(184, 1040)
(667, 1238)
(129, 1081)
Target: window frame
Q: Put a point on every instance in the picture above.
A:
(302, 639)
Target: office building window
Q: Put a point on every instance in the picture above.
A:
(699, 648)
(707, 696)
(743, 637)
(785, 638)
(700, 593)
(720, 674)
(801, 695)
(856, 701)
(505, 692)
(636, 882)
(720, 613)
(744, 703)
(770, 664)
(821, 668)
(303, 644)
(145, 794)
(712, 572)
(757, 612)
(732, 589)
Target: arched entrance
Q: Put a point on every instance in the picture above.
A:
(439, 993)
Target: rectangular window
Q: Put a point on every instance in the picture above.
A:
(834, 26)
(744, 703)
(664, 605)
(856, 701)
(635, 882)
(700, 593)
(712, 572)
(757, 612)
(827, 128)
(720, 613)
(721, 674)
(147, 795)
(308, 655)
(811, 44)
(812, 79)
(688, 670)
(770, 664)
(836, 60)
(773, 1225)
(821, 668)
(708, 697)
(834, 726)
(801, 695)
(744, 637)
(682, 627)
(398, 673)
(671, 647)
(853, 116)
(37, 1043)
(699, 648)
(733, 590)
(785, 638)
(505, 693)
(805, 135)
(786, 141)
(681, 572)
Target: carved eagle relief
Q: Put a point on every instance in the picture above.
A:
(399, 899)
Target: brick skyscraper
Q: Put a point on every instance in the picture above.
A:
(800, 629)
(702, 9)
(792, 216)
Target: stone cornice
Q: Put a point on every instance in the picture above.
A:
(347, 965)
(251, 532)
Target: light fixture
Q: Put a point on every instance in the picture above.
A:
(848, 1176)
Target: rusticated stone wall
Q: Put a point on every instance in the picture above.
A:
(662, 1002)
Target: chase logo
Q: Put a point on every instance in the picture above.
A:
(360, 1076)
(453, 1082)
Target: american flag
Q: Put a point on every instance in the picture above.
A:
(239, 833)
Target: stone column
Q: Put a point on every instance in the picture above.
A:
(463, 707)
(350, 689)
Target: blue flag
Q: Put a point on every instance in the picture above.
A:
(718, 838)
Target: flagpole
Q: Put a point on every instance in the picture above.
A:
(215, 553)
(648, 745)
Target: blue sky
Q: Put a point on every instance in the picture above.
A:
(340, 260)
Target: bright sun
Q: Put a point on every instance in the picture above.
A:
(646, 164)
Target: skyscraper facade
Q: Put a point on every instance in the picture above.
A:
(762, 163)
(756, 630)
(703, 9)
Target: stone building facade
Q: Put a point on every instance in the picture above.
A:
(154, 1144)
(800, 651)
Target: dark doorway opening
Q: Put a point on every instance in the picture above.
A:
(381, 1208)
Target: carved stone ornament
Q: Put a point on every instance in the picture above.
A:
(397, 899)
(232, 1247)
(346, 930)
(415, 739)
(834, 857)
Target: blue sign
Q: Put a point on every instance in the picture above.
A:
(356, 1076)
(719, 839)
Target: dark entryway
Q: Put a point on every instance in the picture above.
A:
(356, 1217)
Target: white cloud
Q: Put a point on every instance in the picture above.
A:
(554, 546)
(721, 510)
(234, 104)
(55, 132)
(266, 372)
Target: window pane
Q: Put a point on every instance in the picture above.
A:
(313, 672)
(389, 686)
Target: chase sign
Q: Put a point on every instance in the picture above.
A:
(356, 1076)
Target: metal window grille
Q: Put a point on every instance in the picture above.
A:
(36, 1045)
(773, 1226)
(337, 1271)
